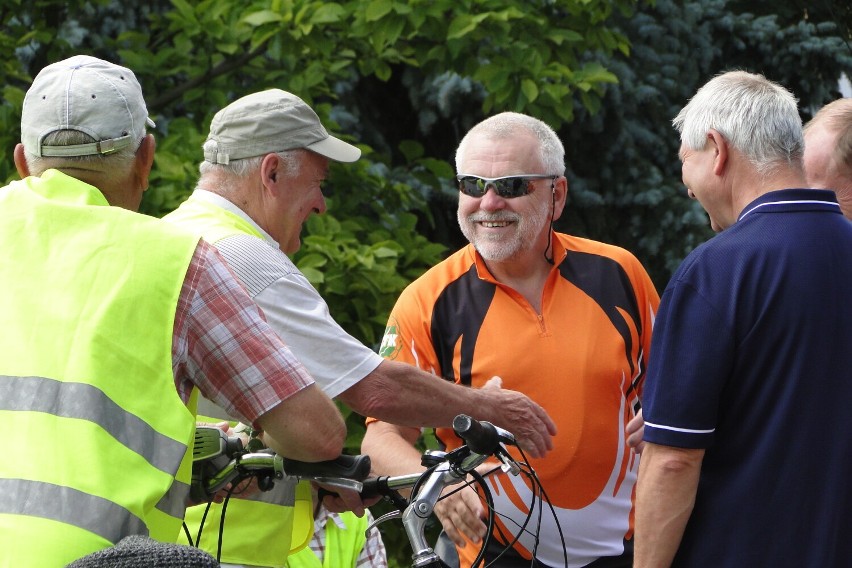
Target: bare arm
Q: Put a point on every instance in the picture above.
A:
(665, 495)
(306, 426)
(403, 394)
(391, 448)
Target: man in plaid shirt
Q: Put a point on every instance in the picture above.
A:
(102, 310)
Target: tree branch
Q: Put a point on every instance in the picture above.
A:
(222, 68)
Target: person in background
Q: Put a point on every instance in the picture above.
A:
(340, 540)
(265, 159)
(748, 439)
(563, 319)
(111, 322)
(828, 151)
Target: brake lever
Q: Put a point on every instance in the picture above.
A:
(340, 483)
(509, 464)
(386, 517)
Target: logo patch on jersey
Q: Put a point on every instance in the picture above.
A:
(389, 348)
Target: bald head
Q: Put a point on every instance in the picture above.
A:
(828, 151)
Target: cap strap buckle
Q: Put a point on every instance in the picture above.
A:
(103, 147)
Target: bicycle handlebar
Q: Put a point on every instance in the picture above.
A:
(482, 439)
(232, 464)
(349, 467)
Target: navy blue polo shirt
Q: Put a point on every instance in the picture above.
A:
(751, 359)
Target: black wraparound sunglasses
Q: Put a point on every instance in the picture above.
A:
(506, 187)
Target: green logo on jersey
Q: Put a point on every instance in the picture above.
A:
(389, 347)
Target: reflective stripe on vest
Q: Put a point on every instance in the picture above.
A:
(88, 295)
(67, 505)
(86, 402)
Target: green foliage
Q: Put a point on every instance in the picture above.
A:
(623, 165)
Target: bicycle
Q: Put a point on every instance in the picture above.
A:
(221, 461)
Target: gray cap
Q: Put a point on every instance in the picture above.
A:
(87, 94)
(271, 121)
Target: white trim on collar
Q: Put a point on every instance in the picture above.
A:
(790, 202)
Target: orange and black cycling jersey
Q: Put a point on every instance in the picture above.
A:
(582, 358)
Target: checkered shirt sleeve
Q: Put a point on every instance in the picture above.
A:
(223, 345)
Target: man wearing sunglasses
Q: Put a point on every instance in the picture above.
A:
(563, 319)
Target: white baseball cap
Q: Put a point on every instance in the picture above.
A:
(87, 94)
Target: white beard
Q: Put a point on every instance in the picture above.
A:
(498, 248)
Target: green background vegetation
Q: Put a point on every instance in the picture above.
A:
(405, 80)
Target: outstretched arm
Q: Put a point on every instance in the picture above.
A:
(402, 394)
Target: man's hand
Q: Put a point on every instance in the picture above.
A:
(520, 415)
(461, 513)
(635, 432)
(338, 500)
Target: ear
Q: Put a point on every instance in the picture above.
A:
(719, 145)
(559, 196)
(270, 176)
(145, 159)
(21, 162)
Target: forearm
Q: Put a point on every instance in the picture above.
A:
(405, 395)
(402, 394)
(665, 495)
(391, 449)
(306, 426)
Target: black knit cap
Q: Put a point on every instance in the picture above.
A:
(142, 552)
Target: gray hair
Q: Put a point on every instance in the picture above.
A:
(507, 124)
(756, 116)
(229, 175)
(116, 164)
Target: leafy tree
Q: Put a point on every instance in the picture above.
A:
(626, 175)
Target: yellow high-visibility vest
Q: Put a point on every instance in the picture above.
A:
(263, 529)
(88, 295)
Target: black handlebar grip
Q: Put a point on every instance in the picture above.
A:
(375, 487)
(348, 467)
(480, 436)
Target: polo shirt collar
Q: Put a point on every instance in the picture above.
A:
(784, 200)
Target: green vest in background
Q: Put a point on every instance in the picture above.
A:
(88, 294)
(342, 547)
(263, 529)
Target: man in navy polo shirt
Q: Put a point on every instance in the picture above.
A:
(748, 433)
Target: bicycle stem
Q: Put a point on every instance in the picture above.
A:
(415, 516)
